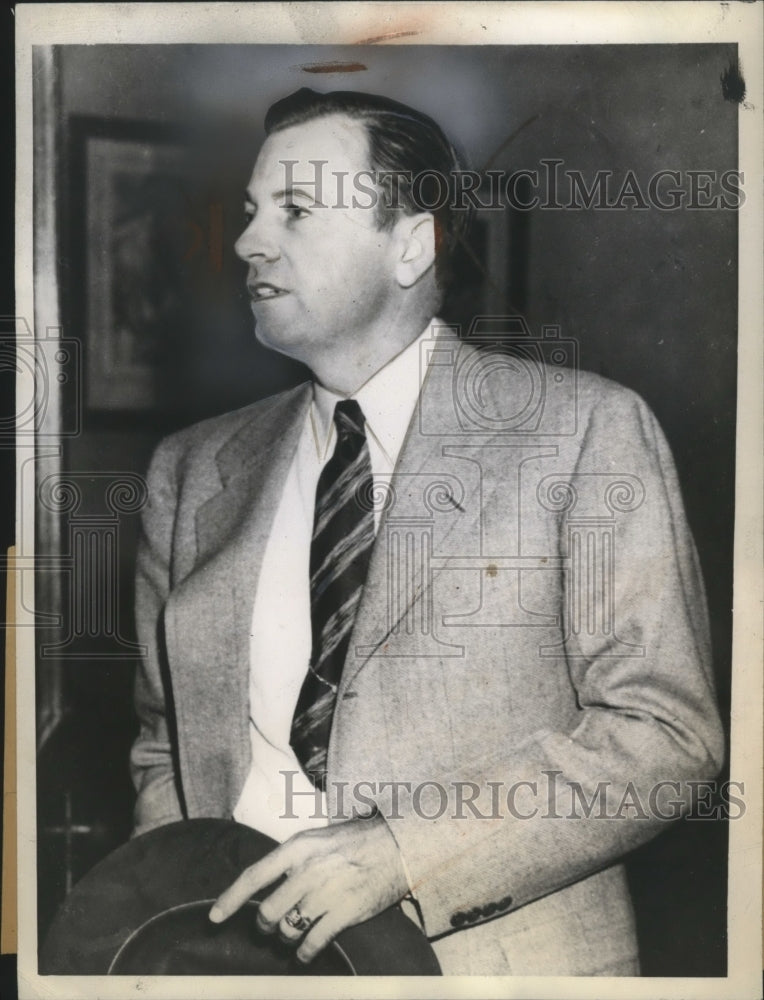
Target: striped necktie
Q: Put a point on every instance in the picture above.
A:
(343, 534)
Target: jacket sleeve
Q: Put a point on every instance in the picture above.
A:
(152, 763)
(646, 724)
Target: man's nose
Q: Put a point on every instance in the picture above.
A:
(257, 242)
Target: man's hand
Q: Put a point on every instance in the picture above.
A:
(336, 877)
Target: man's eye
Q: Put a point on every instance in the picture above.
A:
(249, 214)
(296, 211)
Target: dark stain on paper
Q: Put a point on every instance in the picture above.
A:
(733, 84)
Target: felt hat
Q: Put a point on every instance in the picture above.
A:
(143, 911)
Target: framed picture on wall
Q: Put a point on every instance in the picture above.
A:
(132, 239)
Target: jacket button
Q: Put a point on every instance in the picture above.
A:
(505, 903)
(458, 919)
(489, 909)
(474, 914)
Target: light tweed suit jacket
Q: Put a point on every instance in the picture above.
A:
(532, 635)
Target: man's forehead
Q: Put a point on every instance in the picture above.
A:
(336, 138)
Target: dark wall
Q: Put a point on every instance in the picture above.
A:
(648, 294)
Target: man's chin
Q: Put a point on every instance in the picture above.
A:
(283, 341)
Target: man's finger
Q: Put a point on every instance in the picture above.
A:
(283, 899)
(312, 905)
(251, 879)
(327, 928)
(305, 916)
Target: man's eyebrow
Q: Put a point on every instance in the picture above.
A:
(284, 195)
(290, 192)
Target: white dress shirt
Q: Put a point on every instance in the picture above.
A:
(280, 636)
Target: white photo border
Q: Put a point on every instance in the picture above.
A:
(452, 24)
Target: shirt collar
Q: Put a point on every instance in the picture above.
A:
(387, 399)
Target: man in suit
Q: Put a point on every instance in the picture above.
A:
(510, 686)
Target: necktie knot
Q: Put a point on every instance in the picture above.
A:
(348, 418)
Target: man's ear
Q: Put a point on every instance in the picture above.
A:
(415, 247)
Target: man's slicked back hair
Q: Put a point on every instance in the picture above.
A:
(403, 142)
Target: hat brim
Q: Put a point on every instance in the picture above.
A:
(143, 911)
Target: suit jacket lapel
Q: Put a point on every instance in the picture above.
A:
(453, 503)
(255, 490)
(214, 604)
(251, 465)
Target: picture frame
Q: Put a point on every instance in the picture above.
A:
(131, 237)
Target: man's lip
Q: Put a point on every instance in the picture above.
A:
(261, 291)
